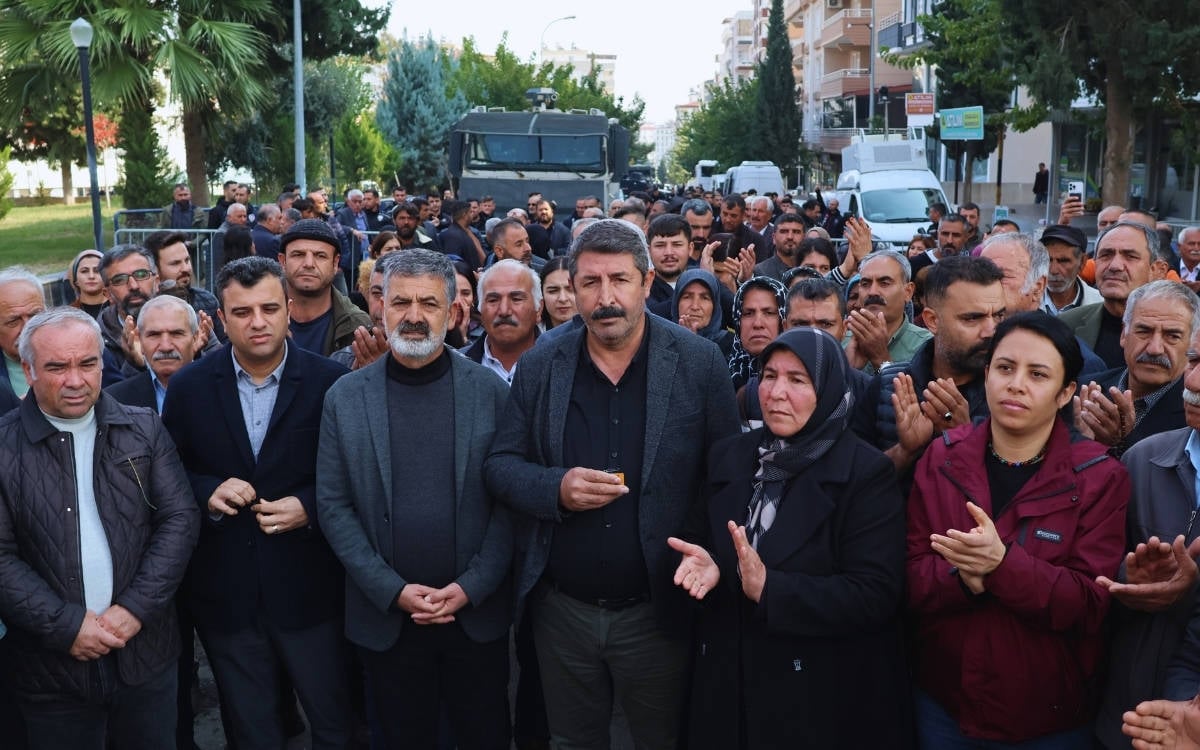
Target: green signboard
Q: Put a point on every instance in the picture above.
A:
(961, 124)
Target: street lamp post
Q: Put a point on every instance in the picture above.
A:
(542, 38)
(81, 36)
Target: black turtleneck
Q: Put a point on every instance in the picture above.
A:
(420, 375)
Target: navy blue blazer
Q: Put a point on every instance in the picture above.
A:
(135, 391)
(238, 572)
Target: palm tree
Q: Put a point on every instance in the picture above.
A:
(210, 54)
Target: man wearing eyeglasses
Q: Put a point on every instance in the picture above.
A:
(130, 279)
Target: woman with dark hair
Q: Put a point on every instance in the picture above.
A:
(84, 277)
(470, 325)
(799, 564)
(1009, 524)
(558, 298)
(239, 243)
(696, 305)
(385, 242)
(759, 310)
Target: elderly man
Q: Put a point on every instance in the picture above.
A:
(510, 240)
(322, 319)
(266, 230)
(264, 588)
(510, 304)
(1189, 258)
(1125, 255)
(168, 332)
(880, 331)
(426, 550)
(759, 212)
(20, 299)
(96, 526)
(1142, 398)
(1155, 590)
(1064, 289)
(601, 451)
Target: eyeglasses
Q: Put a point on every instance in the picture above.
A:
(122, 279)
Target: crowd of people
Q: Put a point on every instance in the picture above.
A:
(723, 461)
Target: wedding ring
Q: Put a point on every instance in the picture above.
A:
(275, 528)
(948, 415)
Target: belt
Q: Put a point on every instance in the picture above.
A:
(610, 604)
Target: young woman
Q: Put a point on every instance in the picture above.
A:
(558, 299)
(1009, 524)
(89, 286)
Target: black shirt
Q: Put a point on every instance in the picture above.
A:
(310, 336)
(597, 554)
(1006, 480)
(1108, 343)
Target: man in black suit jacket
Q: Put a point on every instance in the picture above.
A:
(1126, 404)
(167, 331)
(264, 587)
(601, 452)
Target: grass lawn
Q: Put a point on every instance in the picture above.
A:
(46, 238)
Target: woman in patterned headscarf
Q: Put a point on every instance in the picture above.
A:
(801, 567)
(759, 309)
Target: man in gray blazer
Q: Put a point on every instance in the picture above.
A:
(402, 502)
(601, 451)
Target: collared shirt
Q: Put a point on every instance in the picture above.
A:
(1084, 295)
(1188, 275)
(1193, 450)
(597, 554)
(496, 365)
(258, 400)
(1143, 405)
(160, 390)
(904, 343)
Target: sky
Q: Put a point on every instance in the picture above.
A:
(663, 49)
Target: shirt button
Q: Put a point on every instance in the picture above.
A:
(613, 454)
(616, 421)
(608, 525)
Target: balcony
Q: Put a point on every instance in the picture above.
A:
(829, 140)
(792, 13)
(847, 28)
(890, 36)
(845, 81)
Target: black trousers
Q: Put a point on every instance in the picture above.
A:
(434, 665)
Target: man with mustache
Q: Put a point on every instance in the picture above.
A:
(1143, 398)
(407, 217)
(510, 303)
(1155, 627)
(1064, 289)
(943, 382)
(168, 332)
(322, 319)
(427, 550)
(601, 451)
(880, 331)
(787, 235)
(1125, 254)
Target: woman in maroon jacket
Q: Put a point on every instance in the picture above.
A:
(1009, 524)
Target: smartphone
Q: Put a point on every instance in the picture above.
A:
(721, 253)
(1075, 189)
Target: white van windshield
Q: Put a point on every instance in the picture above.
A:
(899, 206)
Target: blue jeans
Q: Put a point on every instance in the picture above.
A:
(133, 717)
(938, 730)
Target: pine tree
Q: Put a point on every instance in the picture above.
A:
(146, 180)
(416, 115)
(776, 116)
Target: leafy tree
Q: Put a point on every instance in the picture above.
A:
(776, 116)
(6, 182)
(362, 152)
(718, 130)
(418, 109)
(1135, 59)
(330, 28)
(147, 181)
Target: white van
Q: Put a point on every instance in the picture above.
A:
(760, 176)
(888, 184)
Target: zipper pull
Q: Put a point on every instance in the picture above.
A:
(1187, 533)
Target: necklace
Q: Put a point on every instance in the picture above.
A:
(1028, 462)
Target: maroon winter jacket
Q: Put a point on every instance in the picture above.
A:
(1018, 661)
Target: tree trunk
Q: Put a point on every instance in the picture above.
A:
(1118, 131)
(194, 148)
(68, 183)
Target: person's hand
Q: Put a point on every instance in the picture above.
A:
(120, 622)
(727, 272)
(416, 599)
(697, 574)
(1107, 419)
(858, 236)
(446, 601)
(746, 260)
(460, 317)
(587, 489)
(282, 515)
(913, 426)
(706, 257)
(870, 336)
(1164, 725)
(231, 496)
(1157, 574)
(750, 566)
(976, 552)
(690, 323)
(942, 398)
(204, 331)
(1071, 208)
(368, 346)
(131, 343)
(93, 641)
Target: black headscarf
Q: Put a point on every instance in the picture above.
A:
(742, 364)
(782, 457)
(715, 327)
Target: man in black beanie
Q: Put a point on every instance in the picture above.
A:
(321, 319)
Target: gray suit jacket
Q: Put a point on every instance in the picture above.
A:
(1161, 504)
(689, 406)
(354, 492)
